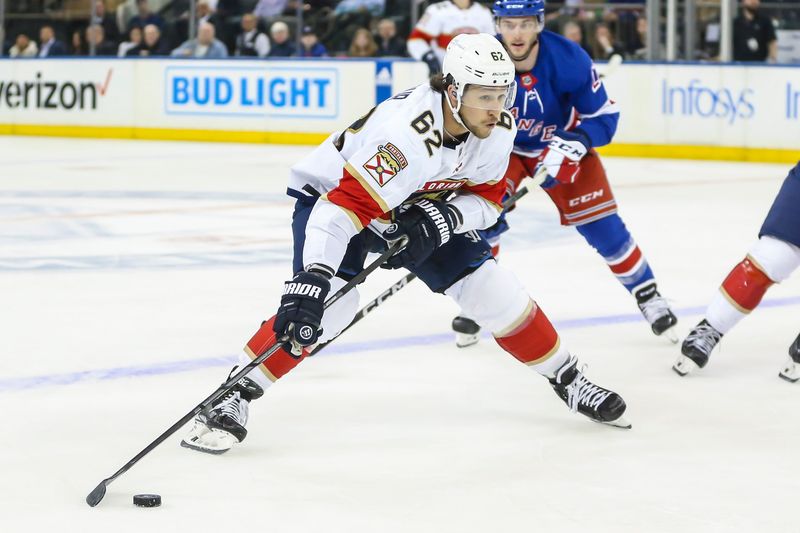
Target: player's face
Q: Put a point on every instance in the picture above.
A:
(519, 35)
(481, 108)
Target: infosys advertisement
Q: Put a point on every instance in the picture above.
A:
(716, 105)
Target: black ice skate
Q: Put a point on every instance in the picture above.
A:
(656, 311)
(468, 332)
(586, 398)
(219, 427)
(697, 348)
(791, 372)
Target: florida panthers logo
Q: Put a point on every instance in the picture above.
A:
(385, 165)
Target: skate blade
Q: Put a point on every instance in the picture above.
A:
(207, 440)
(791, 372)
(684, 366)
(620, 422)
(464, 340)
(670, 334)
(196, 448)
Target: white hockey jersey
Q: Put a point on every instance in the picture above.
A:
(393, 155)
(443, 21)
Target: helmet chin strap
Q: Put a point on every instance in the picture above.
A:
(456, 111)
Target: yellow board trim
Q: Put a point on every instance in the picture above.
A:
(662, 151)
(164, 134)
(719, 153)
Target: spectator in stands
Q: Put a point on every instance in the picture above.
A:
(251, 42)
(604, 46)
(310, 45)
(753, 35)
(637, 48)
(281, 45)
(77, 45)
(134, 40)
(23, 47)
(267, 9)
(362, 45)
(107, 20)
(389, 44)
(145, 16)
(49, 46)
(153, 45)
(204, 13)
(205, 46)
(96, 34)
(573, 32)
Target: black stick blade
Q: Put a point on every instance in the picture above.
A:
(97, 494)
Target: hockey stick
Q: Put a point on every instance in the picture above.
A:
(99, 491)
(405, 280)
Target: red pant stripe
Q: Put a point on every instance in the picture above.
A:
(278, 364)
(533, 341)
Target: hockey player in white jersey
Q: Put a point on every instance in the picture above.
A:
(425, 165)
(440, 23)
(772, 259)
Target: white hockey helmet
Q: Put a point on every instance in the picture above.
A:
(478, 59)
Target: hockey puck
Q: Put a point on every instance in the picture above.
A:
(147, 500)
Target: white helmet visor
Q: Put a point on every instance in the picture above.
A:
(489, 98)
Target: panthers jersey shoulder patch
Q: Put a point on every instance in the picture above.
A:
(384, 165)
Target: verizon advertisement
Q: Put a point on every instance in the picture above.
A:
(66, 92)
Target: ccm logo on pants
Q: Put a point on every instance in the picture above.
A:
(586, 198)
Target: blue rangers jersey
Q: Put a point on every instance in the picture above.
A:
(562, 92)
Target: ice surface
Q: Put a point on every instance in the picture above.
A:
(132, 273)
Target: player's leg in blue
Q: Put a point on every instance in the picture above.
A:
(589, 204)
(612, 240)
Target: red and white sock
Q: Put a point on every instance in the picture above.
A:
(533, 340)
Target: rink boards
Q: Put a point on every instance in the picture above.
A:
(705, 111)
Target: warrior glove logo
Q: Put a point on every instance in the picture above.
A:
(438, 219)
(302, 289)
(306, 333)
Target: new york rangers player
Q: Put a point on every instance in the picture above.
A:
(562, 114)
(426, 164)
(771, 259)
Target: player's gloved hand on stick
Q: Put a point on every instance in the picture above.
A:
(433, 64)
(428, 224)
(301, 309)
(561, 158)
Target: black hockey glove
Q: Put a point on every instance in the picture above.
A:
(302, 306)
(428, 224)
(433, 64)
